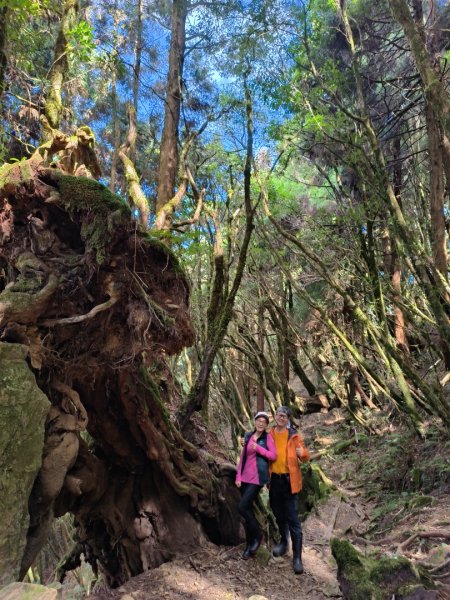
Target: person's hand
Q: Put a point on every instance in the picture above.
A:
(242, 441)
(300, 452)
(255, 438)
(238, 484)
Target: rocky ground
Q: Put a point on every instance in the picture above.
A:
(389, 496)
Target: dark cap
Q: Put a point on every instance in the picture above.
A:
(283, 410)
(263, 414)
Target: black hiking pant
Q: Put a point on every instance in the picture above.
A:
(249, 493)
(284, 507)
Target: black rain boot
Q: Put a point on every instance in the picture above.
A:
(297, 554)
(253, 548)
(248, 542)
(281, 548)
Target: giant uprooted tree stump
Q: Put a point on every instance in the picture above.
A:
(94, 305)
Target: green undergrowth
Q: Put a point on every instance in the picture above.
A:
(398, 471)
(401, 462)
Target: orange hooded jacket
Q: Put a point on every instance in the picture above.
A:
(295, 441)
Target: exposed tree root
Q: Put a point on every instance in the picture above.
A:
(100, 304)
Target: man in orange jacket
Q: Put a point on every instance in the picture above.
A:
(285, 483)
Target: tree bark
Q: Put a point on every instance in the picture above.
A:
(261, 339)
(58, 70)
(115, 103)
(138, 44)
(168, 162)
(437, 196)
(394, 264)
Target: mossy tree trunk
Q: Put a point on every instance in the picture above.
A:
(60, 65)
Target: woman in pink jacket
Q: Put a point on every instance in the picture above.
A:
(252, 475)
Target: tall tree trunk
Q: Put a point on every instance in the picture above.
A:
(168, 162)
(394, 267)
(60, 65)
(437, 197)
(435, 124)
(138, 44)
(115, 102)
(261, 340)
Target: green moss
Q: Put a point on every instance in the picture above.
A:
(20, 299)
(406, 590)
(104, 210)
(263, 555)
(85, 194)
(365, 578)
(315, 488)
(355, 569)
(107, 210)
(23, 409)
(345, 553)
(420, 501)
(14, 174)
(387, 568)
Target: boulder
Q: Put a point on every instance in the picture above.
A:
(23, 410)
(364, 577)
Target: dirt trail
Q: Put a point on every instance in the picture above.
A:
(221, 574)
